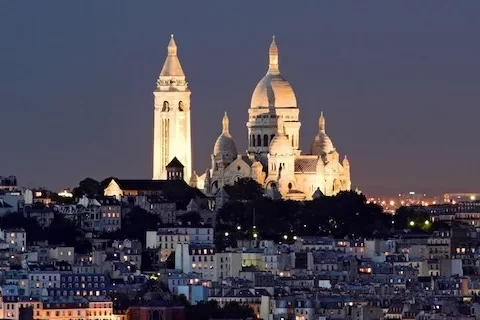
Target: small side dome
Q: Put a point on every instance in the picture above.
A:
(280, 145)
(225, 145)
(321, 142)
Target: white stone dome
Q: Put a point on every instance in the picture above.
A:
(321, 144)
(280, 144)
(273, 90)
(225, 145)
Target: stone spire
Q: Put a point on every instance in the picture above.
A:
(172, 66)
(172, 46)
(321, 123)
(226, 124)
(273, 57)
(345, 162)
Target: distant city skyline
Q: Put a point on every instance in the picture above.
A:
(398, 84)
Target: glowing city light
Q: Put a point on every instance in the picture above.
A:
(226, 234)
(412, 223)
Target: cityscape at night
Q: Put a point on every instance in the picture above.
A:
(237, 160)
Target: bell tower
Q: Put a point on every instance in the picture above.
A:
(172, 128)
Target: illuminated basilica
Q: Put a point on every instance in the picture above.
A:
(273, 157)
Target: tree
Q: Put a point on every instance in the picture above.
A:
(149, 259)
(190, 218)
(342, 215)
(412, 218)
(245, 189)
(16, 220)
(137, 222)
(64, 232)
(88, 187)
(211, 310)
(170, 262)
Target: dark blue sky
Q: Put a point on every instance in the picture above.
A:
(399, 83)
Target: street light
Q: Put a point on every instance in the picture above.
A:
(295, 238)
(285, 237)
(412, 223)
(238, 227)
(226, 234)
(255, 235)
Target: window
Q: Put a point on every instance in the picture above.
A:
(166, 106)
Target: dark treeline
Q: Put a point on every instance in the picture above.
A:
(346, 215)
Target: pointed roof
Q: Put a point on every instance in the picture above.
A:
(317, 194)
(175, 163)
(172, 66)
(226, 124)
(321, 122)
(273, 57)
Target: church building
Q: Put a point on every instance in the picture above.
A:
(273, 158)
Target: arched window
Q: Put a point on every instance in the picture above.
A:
(155, 315)
(166, 106)
(265, 140)
(180, 106)
(252, 138)
(259, 140)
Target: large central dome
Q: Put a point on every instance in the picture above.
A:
(273, 91)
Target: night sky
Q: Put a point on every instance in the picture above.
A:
(399, 84)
